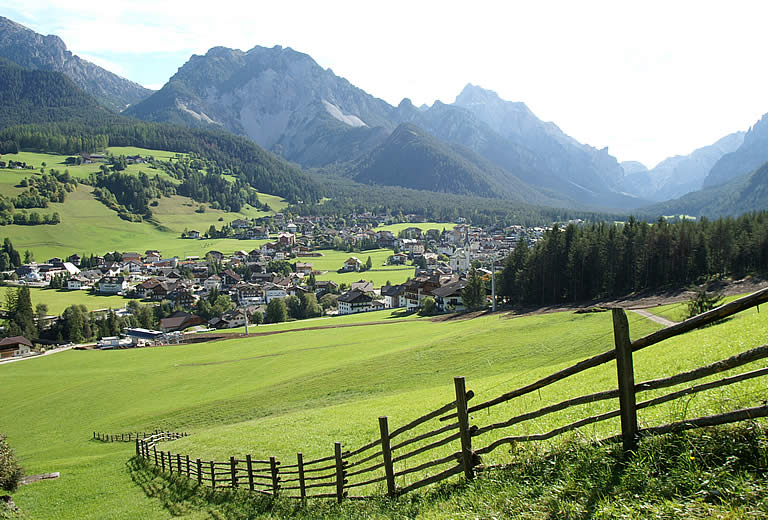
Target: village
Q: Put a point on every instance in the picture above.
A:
(280, 267)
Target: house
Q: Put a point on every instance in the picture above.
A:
(399, 259)
(182, 296)
(249, 293)
(75, 260)
(291, 227)
(112, 285)
(361, 286)
(286, 239)
(448, 297)
(16, 346)
(76, 283)
(305, 268)
(144, 289)
(179, 321)
(229, 278)
(422, 286)
(240, 224)
(325, 287)
(393, 296)
(352, 302)
(194, 234)
(272, 291)
(216, 256)
(132, 257)
(134, 266)
(212, 282)
(352, 264)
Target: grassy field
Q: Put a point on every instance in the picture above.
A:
(303, 390)
(58, 300)
(424, 226)
(379, 274)
(90, 227)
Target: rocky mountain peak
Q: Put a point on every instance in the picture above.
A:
(34, 51)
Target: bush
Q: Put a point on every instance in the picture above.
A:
(10, 470)
(703, 301)
(428, 306)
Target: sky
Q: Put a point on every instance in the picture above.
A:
(648, 79)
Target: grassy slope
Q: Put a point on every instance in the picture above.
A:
(424, 226)
(332, 261)
(89, 227)
(314, 388)
(57, 301)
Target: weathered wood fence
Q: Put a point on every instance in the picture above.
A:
(344, 472)
(130, 436)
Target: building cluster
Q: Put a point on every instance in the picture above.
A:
(441, 260)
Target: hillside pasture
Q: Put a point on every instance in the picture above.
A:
(303, 390)
(58, 300)
(379, 273)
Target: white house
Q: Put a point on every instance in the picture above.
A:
(112, 285)
(272, 291)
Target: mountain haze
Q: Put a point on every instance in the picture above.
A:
(752, 153)
(34, 51)
(678, 175)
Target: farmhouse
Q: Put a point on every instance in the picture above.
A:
(448, 297)
(16, 346)
(352, 302)
(352, 264)
(112, 285)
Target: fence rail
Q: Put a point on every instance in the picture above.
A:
(382, 461)
(128, 436)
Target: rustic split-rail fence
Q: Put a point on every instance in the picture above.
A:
(345, 471)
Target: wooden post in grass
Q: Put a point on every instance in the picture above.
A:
(137, 447)
(466, 436)
(213, 475)
(188, 472)
(199, 464)
(386, 452)
(162, 459)
(249, 465)
(178, 462)
(302, 483)
(233, 471)
(275, 478)
(626, 376)
(339, 472)
(154, 448)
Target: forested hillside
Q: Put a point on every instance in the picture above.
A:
(580, 263)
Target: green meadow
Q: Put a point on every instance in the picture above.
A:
(303, 390)
(58, 300)
(424, 226)
(88, 226)
(379, 273)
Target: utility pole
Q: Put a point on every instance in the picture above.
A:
(245, 311)
(493, 283)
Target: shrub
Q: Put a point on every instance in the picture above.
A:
(703, 301)
(428, 306)
(10, 470)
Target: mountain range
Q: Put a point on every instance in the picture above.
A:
(34, 51)
(478, 145)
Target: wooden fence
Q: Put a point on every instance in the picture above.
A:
(130, 436)
(344, 472)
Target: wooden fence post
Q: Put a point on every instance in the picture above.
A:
(188, 472)
(213, 475)
(162, 459)
(386, 452)
(339, 472)
(199, 464)
(275, 479)
(249, 465)
(154, 448)
(233, 471)
(302, 483)
(467, 457)
(626, 376)
(137, 447)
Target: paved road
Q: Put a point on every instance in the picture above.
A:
(46, 353)
(651, 316)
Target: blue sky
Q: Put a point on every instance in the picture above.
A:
(646, 79)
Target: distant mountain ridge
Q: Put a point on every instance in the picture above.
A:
(34, 51)
(284, 101)
(751, 154)
(678, 175)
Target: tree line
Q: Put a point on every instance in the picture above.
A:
(579, 263)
